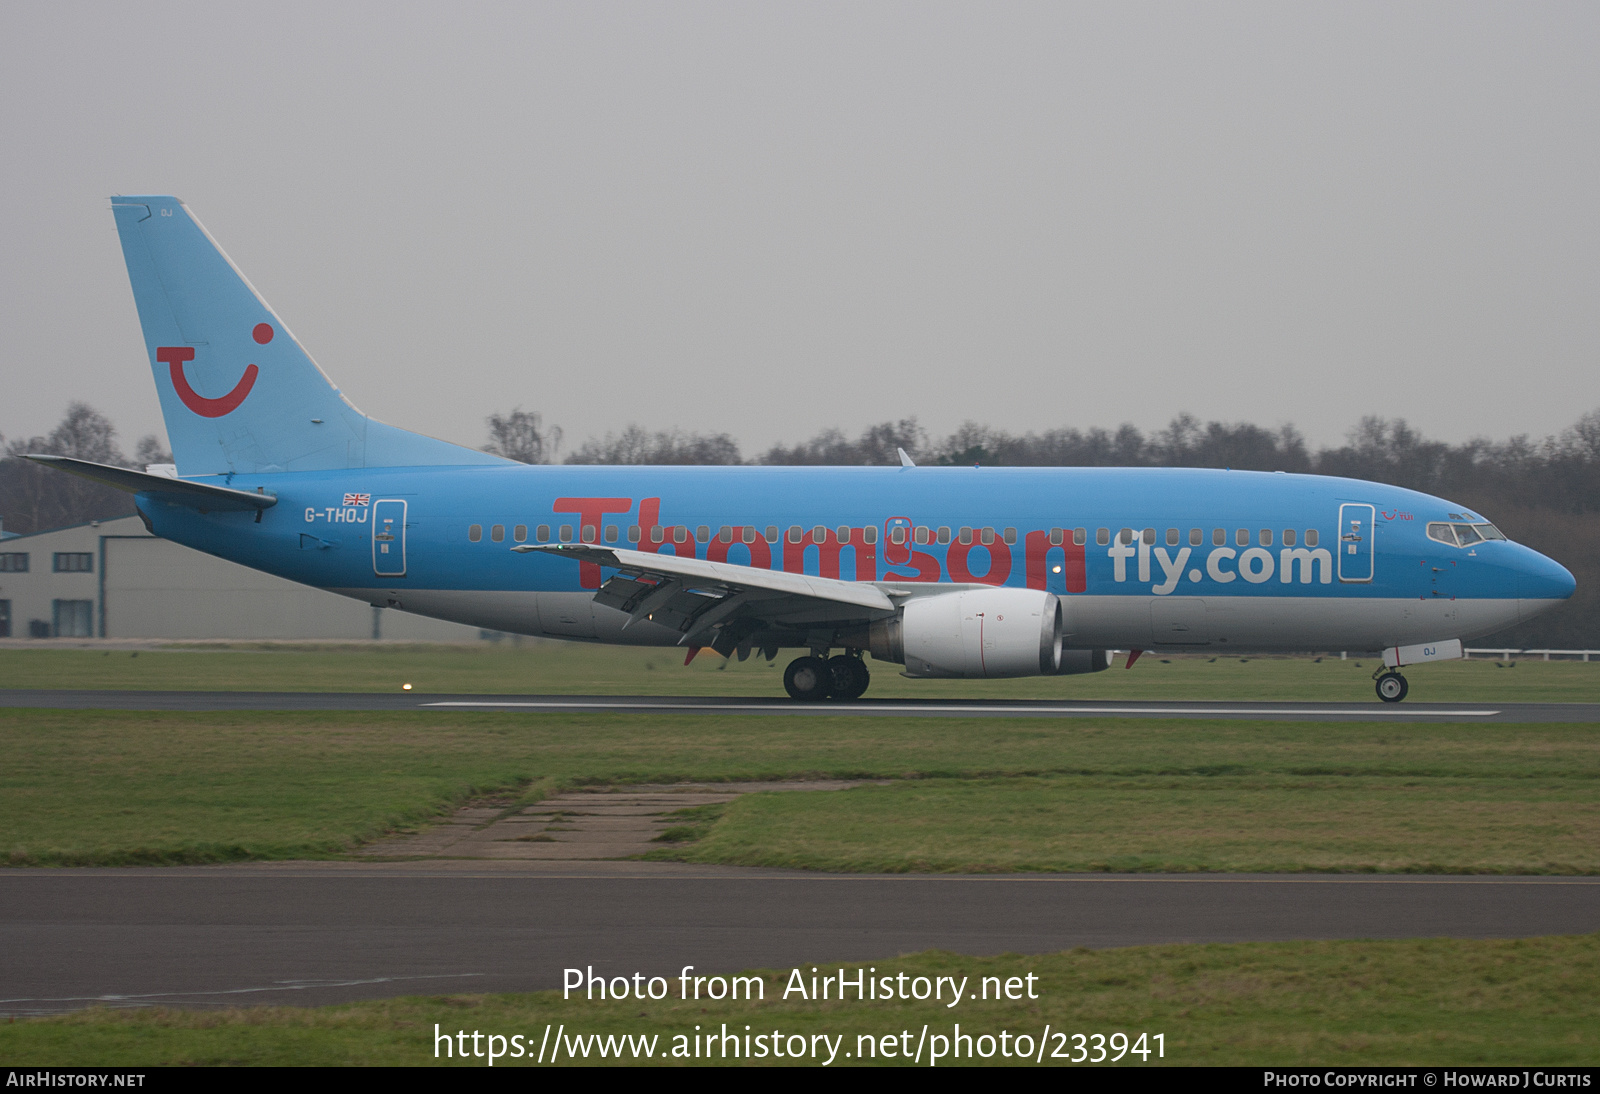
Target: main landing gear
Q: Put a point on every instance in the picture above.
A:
(812, 679)
(1392, 687)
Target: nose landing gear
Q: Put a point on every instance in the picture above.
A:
(1391, 687)
(812, 679)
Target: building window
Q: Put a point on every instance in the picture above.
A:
(72, 618)
(5, 619)
(74, 562)
(14, 562)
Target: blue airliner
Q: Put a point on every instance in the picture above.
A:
(947, 572)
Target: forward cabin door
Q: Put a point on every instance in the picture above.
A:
(1355, 542)
(389, 538)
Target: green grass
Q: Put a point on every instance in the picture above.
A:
(83, 787)
(1253, 824)
(577, 668)
(1529, 1002)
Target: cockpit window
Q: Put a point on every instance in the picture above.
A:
(1463, 535)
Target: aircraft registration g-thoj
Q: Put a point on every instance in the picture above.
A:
(946, 571)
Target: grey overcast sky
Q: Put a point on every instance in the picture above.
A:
(769, 218)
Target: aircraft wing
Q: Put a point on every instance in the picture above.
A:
(717, 604)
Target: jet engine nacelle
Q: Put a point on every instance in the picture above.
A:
(982, 633)
(977, 633)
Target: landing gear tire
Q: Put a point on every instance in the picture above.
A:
(849, 677)
(1392, 687)
(807, 679)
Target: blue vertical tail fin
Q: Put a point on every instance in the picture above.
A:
(238, 392)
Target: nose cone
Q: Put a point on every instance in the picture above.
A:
(1542, 583)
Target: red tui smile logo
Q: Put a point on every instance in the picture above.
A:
(176, 356)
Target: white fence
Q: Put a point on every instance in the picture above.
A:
(1510, 655)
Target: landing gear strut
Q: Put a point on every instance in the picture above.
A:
(1392, 687)
(812, 679)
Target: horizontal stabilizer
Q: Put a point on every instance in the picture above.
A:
(195, 495)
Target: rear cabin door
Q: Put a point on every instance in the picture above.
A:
(1355, 542)
(389, 538)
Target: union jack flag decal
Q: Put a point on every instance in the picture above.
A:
(358, 499)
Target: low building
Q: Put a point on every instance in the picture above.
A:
(113, 579)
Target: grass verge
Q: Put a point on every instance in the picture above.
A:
(111, 787)
(573, 668)
(1527, 1002)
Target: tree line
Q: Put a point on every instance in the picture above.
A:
(1544, 493)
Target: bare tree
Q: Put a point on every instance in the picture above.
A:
(521, 436)
(34, 498)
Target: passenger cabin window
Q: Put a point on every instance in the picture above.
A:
(897, 535)
(1102, 536)
(1195, 537)
(1242, 537)
(566, 533)
(1056, 537)
(474, 532)
(1266, 537)
(497, 533)
(611, 533)
(633, 533)
(843, 533)
(772, 533)
(922, 535)
(1080, 536)
(1149, 535)
(944, 534)
(587, 533)
(1288, 537)
(680, 534)
(1311, 537)
(964, 536)
(703, 534)
(658, 534)
(520, 533)
(725, 533)
(1172, 537)
(747, 534)
(795, 533)
(1125, 537)
(819, 534)
(1219, 537)
(870, 534)
(542, 533)
(986, 536)
(1009, 535)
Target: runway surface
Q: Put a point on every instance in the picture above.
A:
(312, 933)
(896, 708)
